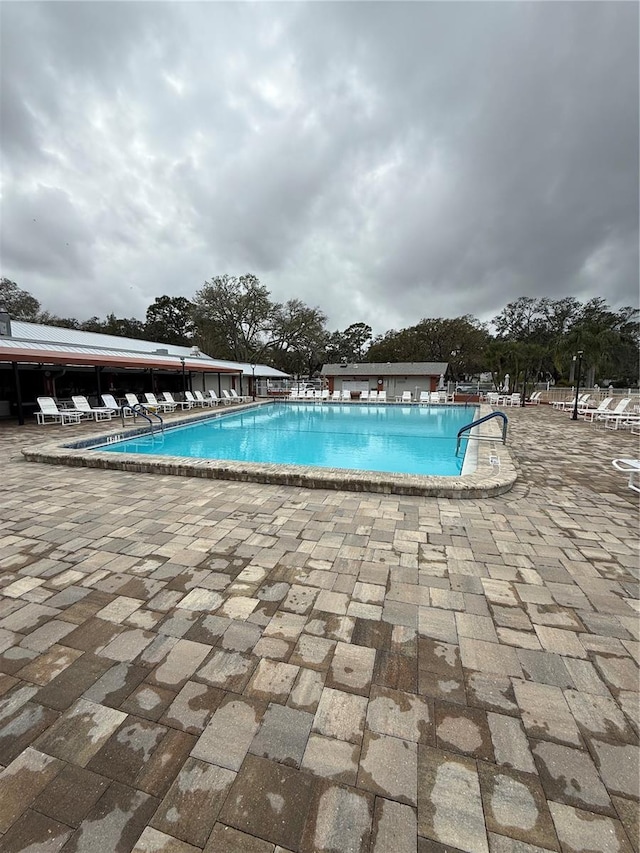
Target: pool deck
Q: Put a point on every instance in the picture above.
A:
(197, 664)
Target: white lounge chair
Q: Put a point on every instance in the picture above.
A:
(213, 397)
(632, 468)
(204, 401)
(132, 401)
(325, 395)
(406, 397)
(184, 404)
(513, 400)
(382, 397)
(620, 409)
(364, 396)
(569, 405)
(191, 399)
(425, 398)
(99, 414)
(50, 413)
(336, 397)
(228, 397)
(591, 413)
(345, 395)
(163, 406)
(110, 402)
(534, 399)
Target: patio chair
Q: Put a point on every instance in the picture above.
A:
(203, 400)
(99, 414)
(569, 405)
(382, 397)
(492, 398)
(154, 403)
(50, 413)
(132, 401)
(591, 413)
(184, 404)
(534, 399)
(213, 397)
(425, 398)
(619, 410)
(191, 399)
(226, 396)
(336, 397)
(325, 395)
(364, 396)
(627, 420)
(345, 395)
(406, 397)
(373, 397)
(513, 400)
(240, 398)
(110, 402)
(630, 467)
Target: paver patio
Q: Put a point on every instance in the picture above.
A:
(193, 665)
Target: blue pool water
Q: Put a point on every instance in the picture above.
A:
(390, 438)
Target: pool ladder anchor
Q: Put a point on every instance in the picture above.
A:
(467, 427)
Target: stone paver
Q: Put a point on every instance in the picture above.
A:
(191, 665)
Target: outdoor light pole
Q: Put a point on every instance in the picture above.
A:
(184, 378)
(253, 386)
(574, 416)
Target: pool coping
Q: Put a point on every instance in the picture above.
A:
(495, 472)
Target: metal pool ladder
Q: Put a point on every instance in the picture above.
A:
(470, 426)
(146, 414)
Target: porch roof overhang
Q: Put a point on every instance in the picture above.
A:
(45, 355)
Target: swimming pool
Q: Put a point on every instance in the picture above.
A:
(363, 437)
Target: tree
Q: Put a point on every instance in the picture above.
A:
(297, 335)
(121, 327)
(460, 342)
(349, 345)
(170, 320)
(20, 304)
(236, 319)
(233, 316)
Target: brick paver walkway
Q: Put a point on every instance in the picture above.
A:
(191, 664)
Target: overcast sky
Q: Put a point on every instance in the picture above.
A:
(384, 161)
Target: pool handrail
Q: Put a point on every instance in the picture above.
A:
(488, 417)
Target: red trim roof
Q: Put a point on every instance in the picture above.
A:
(44, 356)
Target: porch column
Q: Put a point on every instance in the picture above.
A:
(16, 379)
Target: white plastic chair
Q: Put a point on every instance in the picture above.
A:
(50, 413)
(632, 468)
(184, 404)
(110, 402)
(203, 400)
(99, 414)
(154, 403)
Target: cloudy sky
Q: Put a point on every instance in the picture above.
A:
(384, 161)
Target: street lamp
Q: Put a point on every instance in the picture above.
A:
(574, 416)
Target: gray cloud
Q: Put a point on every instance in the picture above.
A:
(384, 161)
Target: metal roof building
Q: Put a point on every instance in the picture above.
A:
(41, 355)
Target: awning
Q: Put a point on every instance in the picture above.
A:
(37, 355)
